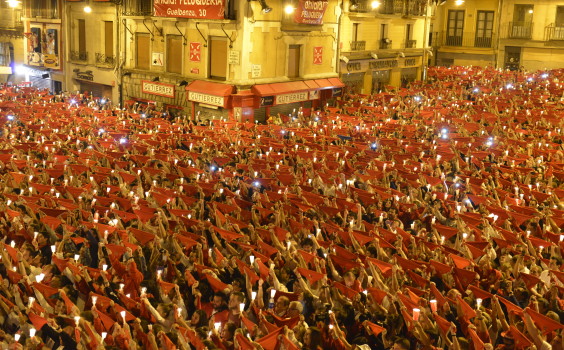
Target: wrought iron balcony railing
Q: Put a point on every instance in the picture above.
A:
(79, 56)
(410, 44)
(520, 30)
(102, 59)
(358, 45)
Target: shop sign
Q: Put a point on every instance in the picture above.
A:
(310, 11)
(314, 95)
(159, 89)
(158, 59)
(206, 99)
(86, 75)
(256, 70)
(266, 101)
(383, 64)
(410, 62)
(354, 66)
(337, 92)
(291, 98)
(205, 9)
(233, 57)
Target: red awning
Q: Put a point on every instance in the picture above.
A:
(209, 88)
(330, 83)
(296, 86)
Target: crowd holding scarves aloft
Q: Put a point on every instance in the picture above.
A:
(427, 217)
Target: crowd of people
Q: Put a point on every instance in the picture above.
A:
(419, 218)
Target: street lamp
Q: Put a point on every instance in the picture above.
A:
(459, 2)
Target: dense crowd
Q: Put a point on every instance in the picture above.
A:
(419, 218)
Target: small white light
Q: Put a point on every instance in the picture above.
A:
(123, 140)
(289, 9)
(216, 325)
(241, 307)
(87, 9)
(32, 332)
(40, 277)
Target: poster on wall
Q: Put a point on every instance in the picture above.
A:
(206, 9)
(34, 47)
(310, 11)
(43, 46)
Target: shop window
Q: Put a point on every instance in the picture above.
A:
(142, 52)
(218, 58)
(174, 54)
(294, 61)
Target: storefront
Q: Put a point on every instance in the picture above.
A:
(86, 81)
(210, 100)
(287, 98)
(371, 75)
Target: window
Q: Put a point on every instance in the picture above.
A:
(484, 29)
(174, 54)
(455, 27)
(523, 13)
(218, 58)
(355, 31)
(559, 21)
(44, 9)
(142, 52)
(109, 38)
(409, 43)
(383, 31)
(293, 61)
(522, 25)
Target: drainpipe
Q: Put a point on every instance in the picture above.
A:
(496, 49)
(337, 59)
(425, 42)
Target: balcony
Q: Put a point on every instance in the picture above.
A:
(79, 56)
(467, 39)
(554, 33)
(137, 7)
(400, 7)
(385, 44)
(520, 30)
(103, 60)
(410, 44)
(358, 45)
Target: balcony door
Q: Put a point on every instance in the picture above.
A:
(522, 21)
(455, 27)
(484, 29)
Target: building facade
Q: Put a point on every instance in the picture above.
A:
(510, 34)
(230, 59)
(383, 43)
